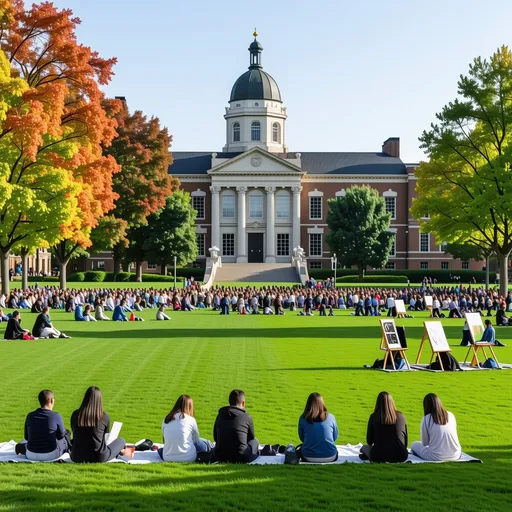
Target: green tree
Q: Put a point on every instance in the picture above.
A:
(172, 232)
(466, 185)
(469, 251)
(358, 229)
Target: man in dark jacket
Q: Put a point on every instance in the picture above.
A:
(234, 432)
(43, 327)
(13, 331)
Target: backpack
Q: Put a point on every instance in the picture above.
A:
(490, 363)
(450, 364)
(290, 455)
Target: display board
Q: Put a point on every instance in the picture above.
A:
(437, 337)
(390, 335)
(400, 308)
(476, 326)
(429, 301)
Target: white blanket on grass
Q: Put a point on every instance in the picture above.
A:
(466, 367)
(346, 453)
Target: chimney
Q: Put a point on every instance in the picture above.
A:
(121, 98)
(391, 147)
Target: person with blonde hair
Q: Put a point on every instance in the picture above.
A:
(318, 431)
(386, 434)
(181, 435)
(439, 439)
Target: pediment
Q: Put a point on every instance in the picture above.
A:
(256, 161)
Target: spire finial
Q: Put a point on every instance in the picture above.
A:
(255, 33)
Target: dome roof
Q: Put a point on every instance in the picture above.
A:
(255, 84)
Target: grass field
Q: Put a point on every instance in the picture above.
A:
(143, 367)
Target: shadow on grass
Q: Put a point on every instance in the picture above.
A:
(328, 368)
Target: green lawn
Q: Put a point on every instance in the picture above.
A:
(143, 367)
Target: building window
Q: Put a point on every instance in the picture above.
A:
(255, 131)
(236, 132)
(444, 265)
(100, 265)
(424, 242)
(315, 265)
(465, 265)
(198, 205)
(283, 244)
(424, 265)
(228, 205)
(315, 244)
(151, 266)
(442, 247)
(315, 207)
(392, 252)
(256, 206)
(200, 244)
(276, 133)
(390, 265)
(283, 205)
(228, 244)
(391, 206)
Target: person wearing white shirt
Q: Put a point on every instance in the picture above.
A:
(160, 315)
(181, 435)
(390, 304)
(439, 439)
(291, 301)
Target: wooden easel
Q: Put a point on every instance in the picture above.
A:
(478, 346)
(400, 308)
(436, 346)
(390, 349)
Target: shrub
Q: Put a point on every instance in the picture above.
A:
(95, 276)
(47, 279)
(373, 279)
(122, 277)
(196, 273)
(77, 277)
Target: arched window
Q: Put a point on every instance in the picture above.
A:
(236, 132)
(255, 205)
(255, 131)
(276, 133)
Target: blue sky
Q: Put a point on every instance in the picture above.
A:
(351, 74)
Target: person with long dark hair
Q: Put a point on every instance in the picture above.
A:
(439, 439)
(386, 434)
(90, 425)
(181, 435)
(318, 431)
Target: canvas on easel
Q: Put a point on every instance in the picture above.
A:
(429, 303)
(434, 332)
(390, 343)
(400, 308)
(476, 329)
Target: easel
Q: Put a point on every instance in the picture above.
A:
(391, 344)
(429, 303)
(438, 343)
(400, 308)
(474, 320)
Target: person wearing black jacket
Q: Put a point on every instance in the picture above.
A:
(386, 434)
(37, 307)
(14, 330)
(43, 327)
(234, 432)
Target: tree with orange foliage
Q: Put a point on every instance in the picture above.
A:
(58, 126)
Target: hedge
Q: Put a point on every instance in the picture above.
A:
(415, 276)
(77, 277)
(95, 276)
(372, 279)
(98, 276)
(46, 279)
(196, 273)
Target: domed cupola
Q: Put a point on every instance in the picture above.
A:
(255, 116)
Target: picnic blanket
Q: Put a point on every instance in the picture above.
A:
(466, 367)
(346, 454)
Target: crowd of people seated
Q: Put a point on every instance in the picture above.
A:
(234, 438)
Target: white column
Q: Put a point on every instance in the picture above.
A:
(296, 217)
(241, 256)
(271, 236)
(215, 227)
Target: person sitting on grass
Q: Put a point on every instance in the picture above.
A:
(14, 331)
(308, 305)
(3, 316)
(489, 335)
(88, 314)
(160, 315)
(501, 317)
(439, 439)
(241, 305)
(37, 306)
(118, 314)
(181, 435)
(90, 425)
(386, 434)
(43, 327)
(224, 305)
(79, 316)
(45, 436)
(255, 305)
(233, 432)
(318, 431)
(99, 311)
(278, 305)
(454, 310)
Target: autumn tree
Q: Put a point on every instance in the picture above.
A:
(172, 232)
(466, 185)
(142, 151)
(358, 229)
(57, 131)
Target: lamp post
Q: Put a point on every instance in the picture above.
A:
(334, 266)
(175, 272)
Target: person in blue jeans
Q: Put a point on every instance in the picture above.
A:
(118, 314)
(318, 431)
(224, 305)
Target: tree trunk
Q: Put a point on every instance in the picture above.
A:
(4, 267)
(503, 262)
(24, 269)
(63, 276)
(38, 265)
(487, 262)
(138, 271)
(361, 272)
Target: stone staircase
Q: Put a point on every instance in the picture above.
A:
(256, 273)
